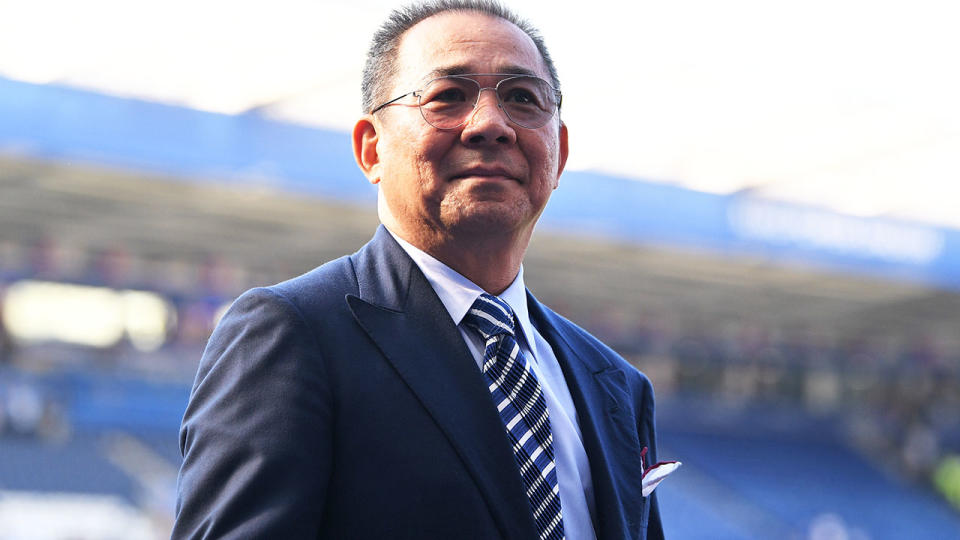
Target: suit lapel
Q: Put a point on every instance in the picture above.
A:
(600, 394)
(402, 314)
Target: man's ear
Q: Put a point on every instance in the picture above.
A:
(365, 139)
(564, 152)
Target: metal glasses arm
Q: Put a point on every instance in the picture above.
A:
(394, 100)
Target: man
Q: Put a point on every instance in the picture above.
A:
(416, 389)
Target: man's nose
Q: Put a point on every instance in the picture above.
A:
(488, 122)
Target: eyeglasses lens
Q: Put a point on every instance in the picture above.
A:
(447, 102)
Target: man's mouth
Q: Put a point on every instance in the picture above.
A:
(485, 172)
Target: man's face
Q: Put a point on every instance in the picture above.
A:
(488, 177)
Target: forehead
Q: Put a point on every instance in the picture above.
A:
(466, 42)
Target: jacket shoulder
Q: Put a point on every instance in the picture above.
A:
(319, 290)
(332, 279)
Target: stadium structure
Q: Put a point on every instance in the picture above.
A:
(807, 363)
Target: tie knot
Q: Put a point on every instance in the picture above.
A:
(490, 316)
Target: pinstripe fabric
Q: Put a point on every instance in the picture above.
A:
(516, 393)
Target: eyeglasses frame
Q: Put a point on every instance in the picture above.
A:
(506, 77)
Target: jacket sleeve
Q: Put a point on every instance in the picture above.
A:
(256, 434)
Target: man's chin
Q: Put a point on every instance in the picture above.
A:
(487, 218)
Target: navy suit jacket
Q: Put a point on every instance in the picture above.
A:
(344, 403)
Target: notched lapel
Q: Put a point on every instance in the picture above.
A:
(614, 384)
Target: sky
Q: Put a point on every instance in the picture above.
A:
(849, 105)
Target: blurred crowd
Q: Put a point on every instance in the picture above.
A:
(897, 399)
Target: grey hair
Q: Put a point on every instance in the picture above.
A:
(381, 64)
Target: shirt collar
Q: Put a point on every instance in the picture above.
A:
(457, 293)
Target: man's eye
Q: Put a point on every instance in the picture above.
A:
(450, 95)
(521, 96)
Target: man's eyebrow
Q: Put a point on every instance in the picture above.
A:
(461, 70)
(449, 70)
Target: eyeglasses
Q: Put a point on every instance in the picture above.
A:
(447, 102)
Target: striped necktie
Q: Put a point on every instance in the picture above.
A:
(516, 392)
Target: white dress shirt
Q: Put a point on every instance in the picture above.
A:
(457, 294)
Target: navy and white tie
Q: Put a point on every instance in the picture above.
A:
(519, 399)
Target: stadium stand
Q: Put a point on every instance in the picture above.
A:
(783, 482)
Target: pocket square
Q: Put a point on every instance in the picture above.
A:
(656, 473)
